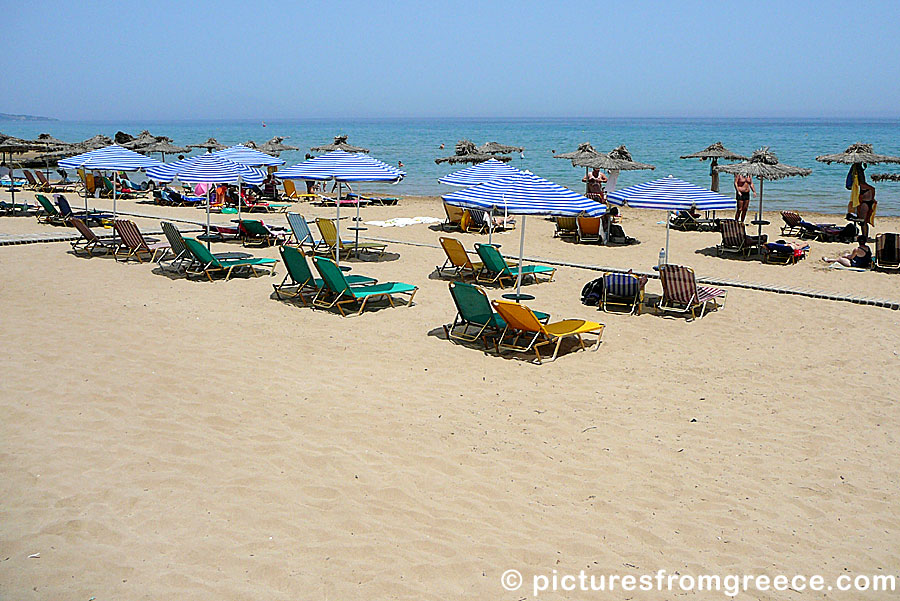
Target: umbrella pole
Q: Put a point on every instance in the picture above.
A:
(207, 218)
(668, 222)
(240, 197)
(490, 225)
(115, 212)
(358, 201)
(759, 215)
(521, 259)
(337, 228)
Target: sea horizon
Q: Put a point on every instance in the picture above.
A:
(659, 141)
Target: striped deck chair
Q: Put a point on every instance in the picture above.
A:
(566, 227)
(134, 245)
(454, 217)
(792, 221)
(622, 290)
(475, 220)
(589, 229)
(301, 235)
(523, 322)
(887, 252)
(179, 250)
(89, 241)
(681, 293)
(736, 240)
(33, 184)
(52, 186)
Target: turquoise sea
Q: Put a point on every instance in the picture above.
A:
(656, 141)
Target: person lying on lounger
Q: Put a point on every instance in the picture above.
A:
(861, 256)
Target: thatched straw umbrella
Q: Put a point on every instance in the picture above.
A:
(618, 159)
(275, 146)
(210, 145)
(498, 148)
(11, 146)
(765, 166)
(163, 147)
(467, 152)
(714, 152)
(98, 141)
(340, 143)
(857, 153)
(584, 151)
(886, 177)
(52, 149)
(144, 139)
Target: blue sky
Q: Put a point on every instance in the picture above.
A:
(238, 59)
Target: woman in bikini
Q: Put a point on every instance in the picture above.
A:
(866, 204)
(742, 187)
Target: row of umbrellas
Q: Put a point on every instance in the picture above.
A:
(52, 149)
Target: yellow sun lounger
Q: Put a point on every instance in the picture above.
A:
(521, 321)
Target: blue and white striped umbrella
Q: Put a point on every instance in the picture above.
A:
(114, 158)
(342, 166)
(525, 194)
(249, 156)
(671, 194)
(479, 173)
(207, 168)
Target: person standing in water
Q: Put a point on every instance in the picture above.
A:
(742, 187)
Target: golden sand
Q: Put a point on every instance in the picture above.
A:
(174, 438)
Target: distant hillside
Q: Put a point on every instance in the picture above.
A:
(9, 117)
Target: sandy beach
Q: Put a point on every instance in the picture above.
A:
(176, 438)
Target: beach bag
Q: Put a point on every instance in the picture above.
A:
(592, 292)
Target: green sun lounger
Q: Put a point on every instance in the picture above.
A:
(473, 310)
(253, 231)
(208, 263)
(50, 214)
(496, 269)
(341, 292)
(300, 278)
